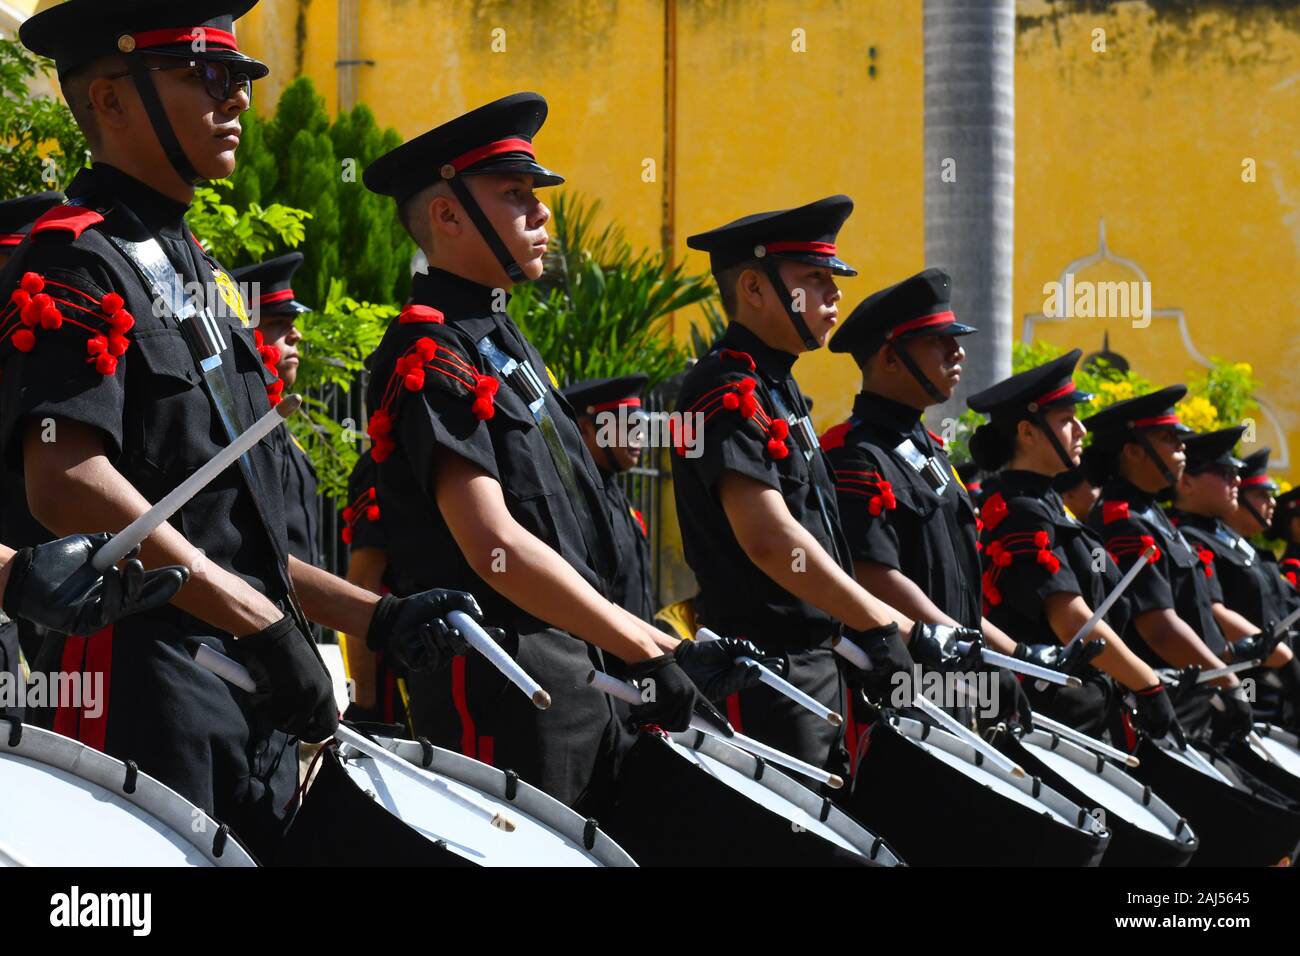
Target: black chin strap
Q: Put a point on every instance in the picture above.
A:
(800, 326)
(461, 189)
(1141, 439)
(162, 126)
(1250, 510)
(930, 388)
(1040, 420)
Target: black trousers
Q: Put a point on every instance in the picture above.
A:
(181, 724)
(571, 750)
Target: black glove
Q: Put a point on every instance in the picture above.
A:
(712, 667)
(1054, 656)
(1253, 647)
(53, 585)
(1154, 715)
(888, 655)
(670, 697)
(294, 691)
(1235, 722)
(414, 630)
(935, 646)
(1184, 683)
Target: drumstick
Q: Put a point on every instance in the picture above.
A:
(1286, 622)
(621, 690)
(1170, 677)
(378, 754)
(237, 674)
(1066, 732)
(856, 656)
(498, 658)
(121, 544)
(1029, 669)
(1195, 756)
(779, 684)
(1109, 600)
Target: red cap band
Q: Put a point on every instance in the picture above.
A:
(1154, 422)
(1256, 480)
(631, 402)
(815, 248)
(207, 35)
(465, 160)
(1055, 393)
(272, 297)
(924, 322)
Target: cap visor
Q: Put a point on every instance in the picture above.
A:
(541, 175)
(238, 62)
(838, 266)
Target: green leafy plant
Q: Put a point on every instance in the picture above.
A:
(241, 235)
(41, 147)
(601, 308)
(336, 340)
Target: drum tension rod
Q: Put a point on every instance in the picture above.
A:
(219, 840)
(426, 752)
(132, 772)
(760, 765)
(15, 730)
(589, 831)
(1101, 762)
(512, 784)
(876, 845)
(1146, 795)
(1037, 785)
(826, 809)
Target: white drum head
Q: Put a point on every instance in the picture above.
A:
(64, 805)
(1283, 747)
(961, 756)
(780, 794)
(1111, 789)
(446, 802)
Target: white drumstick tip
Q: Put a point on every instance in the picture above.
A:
(503, 822)
(541, 699)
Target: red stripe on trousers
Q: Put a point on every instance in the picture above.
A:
(733, 713)
(468, 737)
(87, 655)
(850, 730)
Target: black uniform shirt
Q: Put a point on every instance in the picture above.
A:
(156, 420)
(895, 515)
(741, 432)
(1127, 519)
(458, 405)
(1250, 586)
(1048, 552)
(630, 584)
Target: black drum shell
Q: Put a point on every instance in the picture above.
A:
(339, 825)
(935, 815)
(669, 812)
(1236, 827)
(1130, 845)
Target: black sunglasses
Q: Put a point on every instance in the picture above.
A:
(220, 83)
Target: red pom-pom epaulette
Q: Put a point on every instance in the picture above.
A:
(270, 355)
(1207, 561)
(70, 219)
(39, 306)
(738, 396)
(1001, 552)
(411, 371)
(365, 507)
(1122, 545)
(867, 484)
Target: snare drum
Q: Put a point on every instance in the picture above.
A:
(362, 812)
(1274, 761)
(691, 800)
(1144, 830)
(1236, 827)
(942, 805)
(65, 804)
